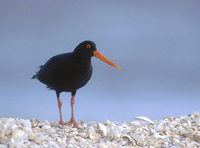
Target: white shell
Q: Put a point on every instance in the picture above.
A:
(126, 136)
(18, 134)
(115, 130)
(93, 135)
(135, 123)
(51, 131)
(145, 119)
(52, 144)
(167, 132)
(102, 145)
(3, 146)
(25, 123)
(103, 129)
(46, 127)
(108, 122)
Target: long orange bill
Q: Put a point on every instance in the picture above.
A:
(101, 57)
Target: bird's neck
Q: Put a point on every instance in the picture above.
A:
(82, 59)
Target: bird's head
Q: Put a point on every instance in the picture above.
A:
(88, 49)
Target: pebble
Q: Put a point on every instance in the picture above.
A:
(169, 132)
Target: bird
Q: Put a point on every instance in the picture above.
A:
(68, 72)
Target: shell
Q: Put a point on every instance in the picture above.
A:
(167, 132)
(93, 135)
(51, 131)
(145, 119)
(115, 131)
(102, 145)
(18, 134)
(103, 129)
(128, 137)
(52, 144)
(46, 127)
(108, 122)
(3, 146)
(139, 139)
(135, 123)
(25, 123)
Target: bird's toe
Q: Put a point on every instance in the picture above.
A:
(72, 122)
(61, 122)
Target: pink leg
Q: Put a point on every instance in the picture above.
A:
(72, 121)
(59, 107)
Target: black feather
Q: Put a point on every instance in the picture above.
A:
(36, 75)
(69, 71)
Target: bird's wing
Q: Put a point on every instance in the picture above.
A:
(53, 67)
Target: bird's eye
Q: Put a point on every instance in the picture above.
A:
(88, 46)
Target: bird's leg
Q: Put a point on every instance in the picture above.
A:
(72, 121)
(59, 107)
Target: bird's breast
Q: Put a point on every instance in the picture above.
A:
(75, 77)
(81, 73)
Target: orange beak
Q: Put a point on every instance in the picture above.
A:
(101, 57)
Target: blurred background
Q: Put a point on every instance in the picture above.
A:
(156, 44)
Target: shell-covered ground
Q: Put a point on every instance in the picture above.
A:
(169, 132)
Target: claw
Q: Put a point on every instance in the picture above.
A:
(61, 122)
(72, 122)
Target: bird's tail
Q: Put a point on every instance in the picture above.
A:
(36, 75)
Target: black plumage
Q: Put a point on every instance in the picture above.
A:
(70, 71)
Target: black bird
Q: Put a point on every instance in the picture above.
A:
(70, 71)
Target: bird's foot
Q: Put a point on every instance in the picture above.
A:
(61, 122)
(72, 121)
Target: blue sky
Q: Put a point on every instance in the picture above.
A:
(156, 44)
